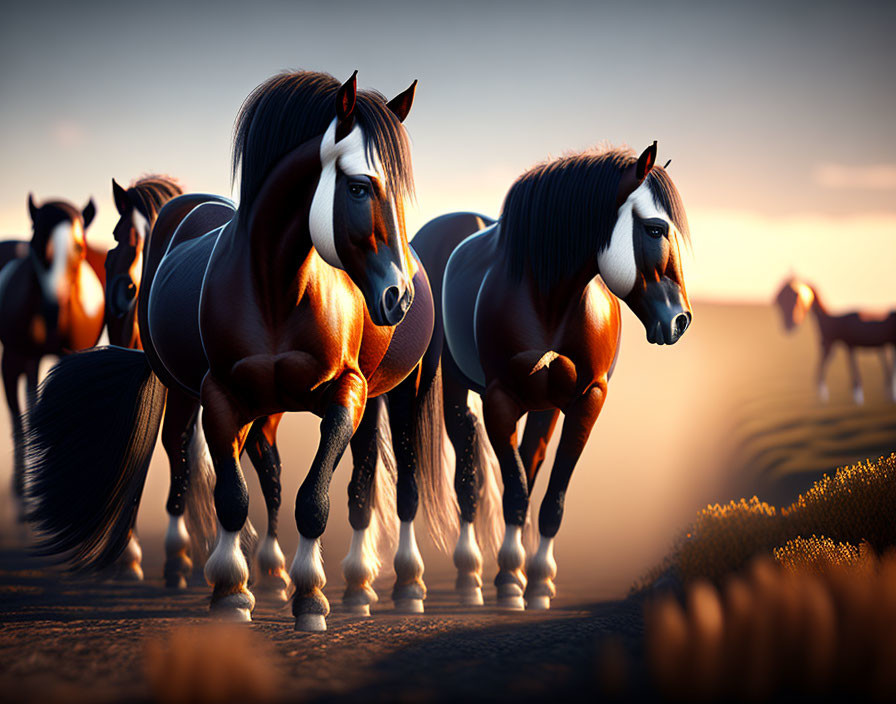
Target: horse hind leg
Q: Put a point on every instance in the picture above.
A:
(177, 431)
(858, 395)
(462, 430)
(361, 565)
(888, 362)
(261, 446)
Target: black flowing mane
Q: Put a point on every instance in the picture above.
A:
(561, 213)
(293, 107)
(151, 192)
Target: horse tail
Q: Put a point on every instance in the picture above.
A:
(437, 497)
(489, 521)
(199, 505)
(90, 436)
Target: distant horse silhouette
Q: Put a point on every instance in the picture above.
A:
(294, 301)
(856, 329)
(528, 317)
(51, 303)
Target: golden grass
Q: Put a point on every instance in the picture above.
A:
(211, 664)
(778, 631)
(837, 514)
(816, 554)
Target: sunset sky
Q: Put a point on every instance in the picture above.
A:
(778, 117)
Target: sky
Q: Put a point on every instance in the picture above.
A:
(778, 117)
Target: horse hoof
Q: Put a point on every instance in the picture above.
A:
(231, 615)
(511, 603)
(177, 581)
(473, 597)
(357, 609)
(131, 573)
(409, 606)
(311, 623)
(277, 595)
(538, 603)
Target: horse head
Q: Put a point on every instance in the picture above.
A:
(642, 264)
(57, 248)
(124, 265)
(356, 220)
(794, 300)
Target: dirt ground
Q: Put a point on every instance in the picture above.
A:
(728, 411)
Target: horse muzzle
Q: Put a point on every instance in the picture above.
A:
(664, 310)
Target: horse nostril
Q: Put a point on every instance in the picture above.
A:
(681, 324)
(391, 298)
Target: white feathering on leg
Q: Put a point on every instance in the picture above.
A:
(468, 561)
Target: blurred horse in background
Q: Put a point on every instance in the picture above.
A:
(51, 303)
(856, 329)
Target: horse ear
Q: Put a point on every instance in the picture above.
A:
(32, 208)
(401, 103)
(121, 198)
(345, 106)
(88, 213)
(646, 162)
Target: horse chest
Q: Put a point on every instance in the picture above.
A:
(548, 361)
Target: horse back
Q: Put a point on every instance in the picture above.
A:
(181, 219)
(434, 243)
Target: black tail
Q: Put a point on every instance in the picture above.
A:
(88, 443)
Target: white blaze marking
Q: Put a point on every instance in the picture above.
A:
(61, 239)
(350, 156)
(617, 262)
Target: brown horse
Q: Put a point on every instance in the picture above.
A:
(528, 317)
(51, 303)
(294, 301)
(853, 330)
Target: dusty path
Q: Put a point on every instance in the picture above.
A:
(76, 640)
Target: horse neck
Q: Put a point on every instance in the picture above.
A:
(818, 307)
(556, 300)
(278, 230)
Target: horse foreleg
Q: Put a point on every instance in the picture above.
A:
(577, 425)
(227, 570)
(261, 446)
(409, 590)
(823, 393)
(501, 415)
(310, 607)
(461, 428)
(540, 427)
(361, 565)
(177, 429)
(13, 367)
(857, 394)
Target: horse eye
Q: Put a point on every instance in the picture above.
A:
(655, 231)
(358, 190)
